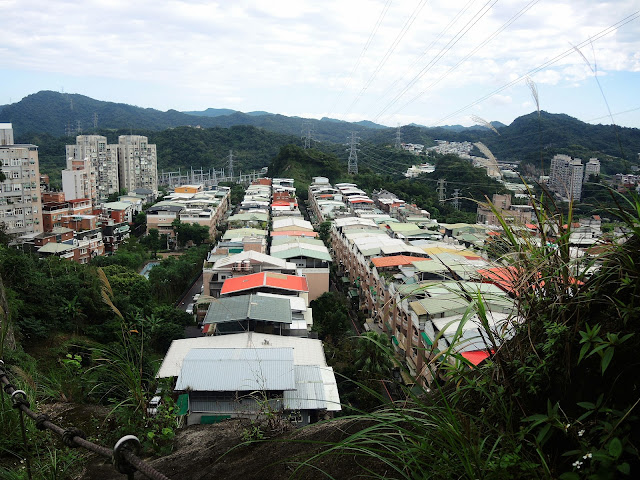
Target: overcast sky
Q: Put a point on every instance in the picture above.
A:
(393, 62)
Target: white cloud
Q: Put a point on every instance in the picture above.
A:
(298, 55)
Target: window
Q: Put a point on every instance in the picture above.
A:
(15, 175)
(18, 211)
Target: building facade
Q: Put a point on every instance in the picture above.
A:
(102, 162)
(137, 163)
(20, 202)
(566, 176)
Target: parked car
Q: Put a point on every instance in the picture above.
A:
(154, 403)
(189, 309)
(196, 297)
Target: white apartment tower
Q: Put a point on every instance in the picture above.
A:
(20, 203)
(591, 168)
(137, 163)
(93, 152)
(566, 176)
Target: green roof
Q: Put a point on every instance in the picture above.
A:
(302, 252)
(249, 307)
(244, 232)
(406, 228)
(426, 339)
(449, 303)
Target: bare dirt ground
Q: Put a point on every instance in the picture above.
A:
(218, 452)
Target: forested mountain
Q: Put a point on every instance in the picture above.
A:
(54, 112)
(523, 140)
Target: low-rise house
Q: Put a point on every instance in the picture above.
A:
(267, 282)
(245, 263)
(255, 313)
(249, 374)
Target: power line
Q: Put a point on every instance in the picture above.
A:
(426, 50)
(443, 51)
(389, 52)
(472, 52)
(557, 58)
(352, 165)
(372, 34)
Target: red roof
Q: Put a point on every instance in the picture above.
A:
(531, 226)
(493, 234)
(476, 356)
(395, 260)
(472, 257)
(282, 203)
(503, 277)
(265, 279)
(294, 233)
(362, 200)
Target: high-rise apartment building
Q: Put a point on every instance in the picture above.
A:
(565, 177)
(137, 163)
(93, 152)
(20, 203)
(96, 169)
(592, 167)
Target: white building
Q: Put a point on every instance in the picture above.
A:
(591, 168)
(101, 160)
(137, 163)
(20, 203)
(566, 176)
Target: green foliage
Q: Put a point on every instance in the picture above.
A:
(190, 232)
(173, 275)
(330, 316)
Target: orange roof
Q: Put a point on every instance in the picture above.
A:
(282, 203)
(503, 277)
(531, 226)
(395, 260)
(493, 234)
(294, 233)
(265, 279)
(472, 257)
(476, 356)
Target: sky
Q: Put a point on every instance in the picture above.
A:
(395, 62)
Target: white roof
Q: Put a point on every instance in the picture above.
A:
(291, 222)
(343, 222)
(306, 351)
(254, 257)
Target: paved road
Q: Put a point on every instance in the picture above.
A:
(188, 298)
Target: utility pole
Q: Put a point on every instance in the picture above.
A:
(456, 203)
(352, 166)
(442, 188)
(398, 139)
(230, 167)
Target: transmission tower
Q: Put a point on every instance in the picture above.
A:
(442, 188)
(230, 166)
(398, 138)
(307, 134)
(456, 203)
(78, 127)
(95, 119)
(352, 166)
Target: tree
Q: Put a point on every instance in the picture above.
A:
(324, 232)
(330, 316)
(373, 356)
(186, 232)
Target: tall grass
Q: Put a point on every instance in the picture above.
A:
(558, 399)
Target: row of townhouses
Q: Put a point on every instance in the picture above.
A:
(419, 281)
(257, 353)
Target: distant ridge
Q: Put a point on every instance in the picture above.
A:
(56, 113)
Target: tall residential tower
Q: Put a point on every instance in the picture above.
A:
(20, 203)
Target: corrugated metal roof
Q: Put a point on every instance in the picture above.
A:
(309, 393)
(446, 303)
(249, 307)
(237, 369)
(306, 351)
(265, 279)
(302, 252)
